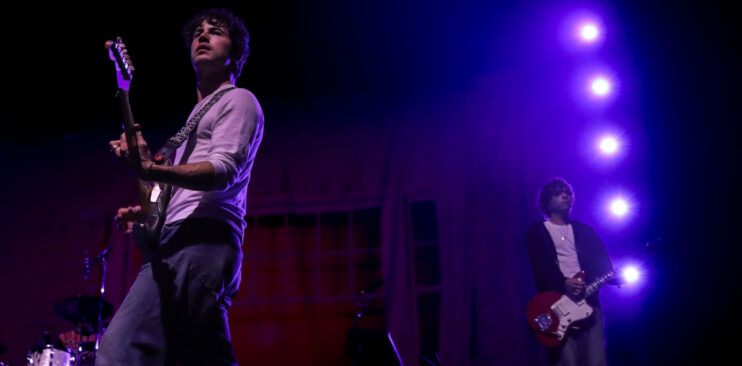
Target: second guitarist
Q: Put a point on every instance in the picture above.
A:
(559, 248)
(176, 310)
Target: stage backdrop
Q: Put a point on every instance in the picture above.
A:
(423, 204)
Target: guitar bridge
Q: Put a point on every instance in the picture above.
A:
(543, 321)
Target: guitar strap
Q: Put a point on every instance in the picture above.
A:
(173, 143)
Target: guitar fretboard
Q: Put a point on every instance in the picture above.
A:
(598, 283)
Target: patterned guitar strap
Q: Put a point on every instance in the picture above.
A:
(172, 144)
(166, 152)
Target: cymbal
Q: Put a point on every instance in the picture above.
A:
(81, 309)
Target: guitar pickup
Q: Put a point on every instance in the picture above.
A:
(155, 193)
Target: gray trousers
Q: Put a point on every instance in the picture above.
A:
(583, 347)
(176, 310)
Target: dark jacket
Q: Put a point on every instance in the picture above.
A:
(591, 254)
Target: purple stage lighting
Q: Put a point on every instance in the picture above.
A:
(596, 85)
(589, 33)
(608, 145)
(619, 207)
(605, 145)
(600, 86)
(630, 274)
(582, 31)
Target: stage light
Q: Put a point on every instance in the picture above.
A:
(630, 274)
(608, 145)
(600, 86)
(583, 30)
(589, 32)
(619, 207)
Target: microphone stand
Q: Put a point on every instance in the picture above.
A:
(101, 259)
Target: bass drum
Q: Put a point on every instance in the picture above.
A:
(49, 355)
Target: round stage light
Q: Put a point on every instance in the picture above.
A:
(609, 145)
(619, 207)
(589, 33)
(630, 274)
(600, 86)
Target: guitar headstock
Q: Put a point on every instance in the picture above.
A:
(118, 53)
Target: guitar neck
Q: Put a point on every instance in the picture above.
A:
(594, 286)
(128, 122)
(143, 188)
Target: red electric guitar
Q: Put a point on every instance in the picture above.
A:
(551, 313)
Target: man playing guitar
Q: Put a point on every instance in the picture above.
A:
(559, 249)
(176, 310)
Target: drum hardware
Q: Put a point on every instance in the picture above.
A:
(87, 313)
(76, 347)
(50, 352)
(90, 305)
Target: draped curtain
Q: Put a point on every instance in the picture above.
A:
(466, 152)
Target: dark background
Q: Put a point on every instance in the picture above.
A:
(680, 61)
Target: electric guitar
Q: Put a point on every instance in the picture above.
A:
(551, 313)
(153, 197)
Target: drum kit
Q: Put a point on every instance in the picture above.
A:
(88, 314)
(75, 347)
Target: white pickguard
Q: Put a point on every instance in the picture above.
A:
(569, 312)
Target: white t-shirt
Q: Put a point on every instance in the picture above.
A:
(228, 136)
(564, 241)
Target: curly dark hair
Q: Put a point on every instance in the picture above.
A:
(238, 34)
(552, 187)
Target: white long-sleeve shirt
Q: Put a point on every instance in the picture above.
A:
(228, 137)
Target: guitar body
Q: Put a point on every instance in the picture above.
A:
(147, 232)
(551, 313)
